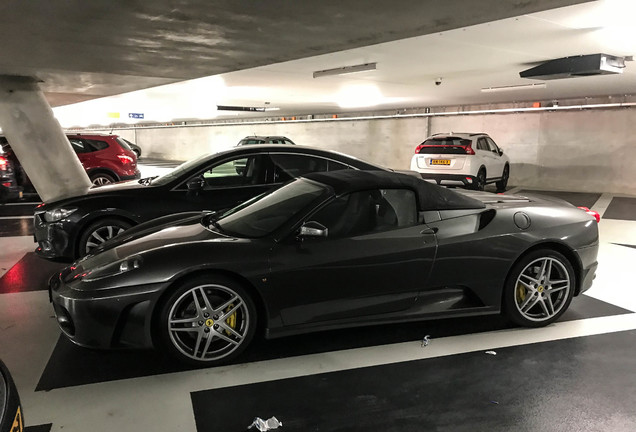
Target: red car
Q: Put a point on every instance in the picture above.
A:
(106, 159)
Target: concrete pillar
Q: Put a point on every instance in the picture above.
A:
(38, 141)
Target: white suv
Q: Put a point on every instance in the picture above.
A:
(468, 159)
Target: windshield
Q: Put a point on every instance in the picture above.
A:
(270, 212)
(178, 171)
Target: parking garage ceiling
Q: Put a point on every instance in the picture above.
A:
(84, 50)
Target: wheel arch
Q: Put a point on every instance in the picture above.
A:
(90, 221)
(102, 170)
(261, 310)
(563, 249)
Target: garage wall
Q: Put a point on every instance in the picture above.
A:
(584, 150)
(385, 142)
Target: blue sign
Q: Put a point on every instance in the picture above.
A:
(136, 115)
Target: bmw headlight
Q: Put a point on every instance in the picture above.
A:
(58, 214)
(114, 269)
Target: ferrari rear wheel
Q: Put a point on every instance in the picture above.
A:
(539, 288)
(207, 321)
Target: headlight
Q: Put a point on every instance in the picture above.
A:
(114, 269)
(58, 214)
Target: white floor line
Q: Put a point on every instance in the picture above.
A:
(514, 190)
(15, 217)
(129, 398)
(603, 203)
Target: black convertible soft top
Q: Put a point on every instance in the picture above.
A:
(429, 196)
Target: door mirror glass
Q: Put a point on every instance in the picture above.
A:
(313, 229)
(500, 151)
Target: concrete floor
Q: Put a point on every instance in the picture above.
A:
(576, 374)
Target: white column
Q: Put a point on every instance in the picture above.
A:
(38, 141)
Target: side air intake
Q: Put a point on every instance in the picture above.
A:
(576, 66)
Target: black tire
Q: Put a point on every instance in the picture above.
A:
(480, 182)
(100, 179)
(98, 232)
(211, 333)
(503, 183)
(531, 299)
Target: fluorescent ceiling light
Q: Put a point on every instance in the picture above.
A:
(345, 70)
(513, 87)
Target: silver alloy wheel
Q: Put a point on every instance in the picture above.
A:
(100, 181)
(208, 322)
(542, 289)
(100, 235)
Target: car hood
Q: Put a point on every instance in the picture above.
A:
(158, 233)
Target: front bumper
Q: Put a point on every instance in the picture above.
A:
(108, 318)
(53, 239)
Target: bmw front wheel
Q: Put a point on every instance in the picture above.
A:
(207, 321)
(539, 288)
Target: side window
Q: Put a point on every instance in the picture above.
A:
(366, 212)
(482, 144)
(336, 166)
(95, 145)
(288, 166)
(493, 147)
(288, 142)
(244, 171)
(78, 145)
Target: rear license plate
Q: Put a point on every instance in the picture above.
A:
(440, 161)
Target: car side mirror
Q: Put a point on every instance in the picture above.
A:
(196, 183)
(313, 229)
(500, 152)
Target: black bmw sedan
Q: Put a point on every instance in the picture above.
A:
(327, 250)
(72, 227)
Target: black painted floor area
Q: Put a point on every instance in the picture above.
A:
(16, 227)
(70, 365)
(621, 208)
(580, 384)
(583, 199)
(31, 273)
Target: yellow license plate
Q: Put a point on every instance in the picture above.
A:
(440, 161)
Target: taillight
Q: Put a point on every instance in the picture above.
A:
(3, 163)
(125, 159)
(469, 150)
(418, 148)
(596, 215)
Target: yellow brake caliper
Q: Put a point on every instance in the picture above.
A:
(521, 292)
(231, 320)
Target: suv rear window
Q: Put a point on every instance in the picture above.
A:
(122, 142)
(445, 145)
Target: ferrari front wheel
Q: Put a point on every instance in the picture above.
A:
(539, 288)
(207, 321)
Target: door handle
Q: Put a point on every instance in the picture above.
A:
(429, 230)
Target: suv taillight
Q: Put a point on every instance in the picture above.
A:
(3, 163)
(418, 148)
(469, 150)
(125, 159)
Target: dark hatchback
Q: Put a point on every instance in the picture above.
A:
(70, 228)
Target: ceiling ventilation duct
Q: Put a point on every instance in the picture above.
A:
(576, 66)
